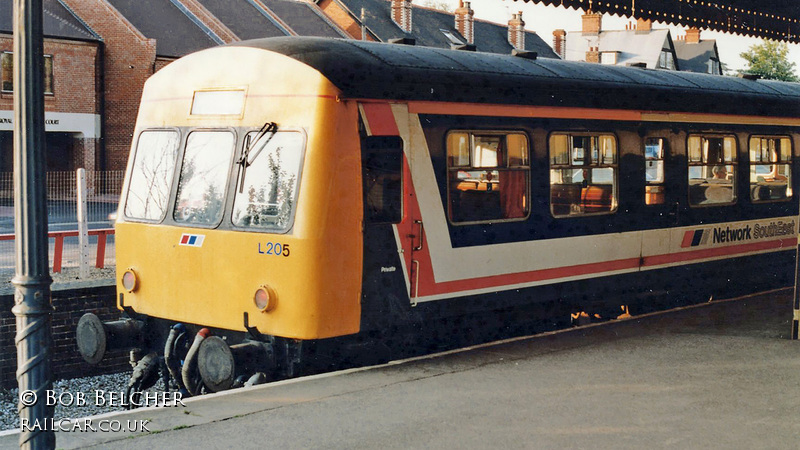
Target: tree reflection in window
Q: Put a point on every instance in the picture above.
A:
(151, 178)
(206, 164)
(770, 168)
(266, 197)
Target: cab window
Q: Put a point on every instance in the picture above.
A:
(266, 189)
(152, 174)
(204, 173)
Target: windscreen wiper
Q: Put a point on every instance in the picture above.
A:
(246, 160)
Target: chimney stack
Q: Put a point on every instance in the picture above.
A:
(560, 43)
(643, 25)
(465, 23)
(401, 14)
(593, 55)
(516, 31)
(592, 23)
(693, 35)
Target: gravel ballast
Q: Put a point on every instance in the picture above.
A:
(9, 416)
(9, 398)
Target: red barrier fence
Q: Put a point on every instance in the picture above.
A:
(58, 251)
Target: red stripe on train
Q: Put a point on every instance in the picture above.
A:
(687, 239)
(380, 119)
(429, 287)
(730, 250)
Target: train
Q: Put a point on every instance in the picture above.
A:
(290, 199)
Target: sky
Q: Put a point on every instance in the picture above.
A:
(544, 19)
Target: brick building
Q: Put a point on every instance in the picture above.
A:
(140, 37)
(73, 89)
(638, 44)
(99, 53)
(382, 20)
(697, 55)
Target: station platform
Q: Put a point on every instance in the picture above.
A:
(718, 375)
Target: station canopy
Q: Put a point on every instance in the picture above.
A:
(767, 19)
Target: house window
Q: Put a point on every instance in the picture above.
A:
(770, 168)
(712, 170)
(583, 174)
(48, 75)
(654, 150)
(608, 57)
(7, 63)
(451, 37)
(488, 176)
(714, 67)
(7, 73)
(666, 60)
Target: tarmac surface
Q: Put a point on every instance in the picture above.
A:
(718, 375)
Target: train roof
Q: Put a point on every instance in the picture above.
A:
(402, 72)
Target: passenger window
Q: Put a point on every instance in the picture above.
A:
(382, 164)
(152, 175)
(654, 151)
(770, 168)
(204, 173)
(712, 170)
(488, 176)
(266, 191)
(583, 174)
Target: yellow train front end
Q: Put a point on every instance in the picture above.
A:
(304, 254)
(241, 210)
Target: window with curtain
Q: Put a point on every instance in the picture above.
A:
(488, 176)
(583, 174)
(712, 170)
(770, 168)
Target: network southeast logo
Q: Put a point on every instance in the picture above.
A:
(192, 240)
(695, 238)
(729, 234)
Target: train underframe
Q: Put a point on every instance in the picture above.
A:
(195, 359)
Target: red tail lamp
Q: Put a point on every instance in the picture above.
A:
(130, 281)
(265, 298)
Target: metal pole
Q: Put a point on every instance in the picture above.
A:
(32, 303)
(363, 26)
(796, 300)
(83, 225)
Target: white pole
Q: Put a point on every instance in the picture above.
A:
(83, 226)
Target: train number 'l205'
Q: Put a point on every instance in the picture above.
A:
(273, 248)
